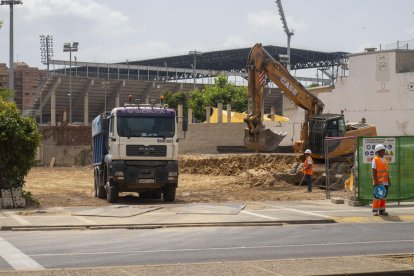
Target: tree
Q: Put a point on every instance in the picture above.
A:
(314, 84)
(174, 99)
(221, 92)
(19, 139)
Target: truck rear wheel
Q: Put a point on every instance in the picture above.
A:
(98, 185)
(95, 184)
(168, 193)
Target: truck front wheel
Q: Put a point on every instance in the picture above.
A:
(168, 193)
(111, 190)
(111, 194)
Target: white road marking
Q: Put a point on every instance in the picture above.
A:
(220, 248)
(258, 215)
(19, 219)
(16, 258)
(298, 211)
(88, 221)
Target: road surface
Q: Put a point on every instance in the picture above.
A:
(121, 247)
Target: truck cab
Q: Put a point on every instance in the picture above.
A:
(135, 149)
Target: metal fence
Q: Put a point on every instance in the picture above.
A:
(400, 156)
(408, 44)
(338, 177)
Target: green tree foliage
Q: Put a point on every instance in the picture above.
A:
(314, 84)
(174, 99)
(222, 91)
(19, 139)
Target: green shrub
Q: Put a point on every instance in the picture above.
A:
(19, 140)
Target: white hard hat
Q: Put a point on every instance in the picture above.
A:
(308, 151)
(379, 147)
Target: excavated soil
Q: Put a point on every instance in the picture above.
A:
(203, 178)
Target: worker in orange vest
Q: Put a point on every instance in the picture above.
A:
(381, 181)
(308, 169)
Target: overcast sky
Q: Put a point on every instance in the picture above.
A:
(110, 31)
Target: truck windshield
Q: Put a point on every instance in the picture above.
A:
(146, 126)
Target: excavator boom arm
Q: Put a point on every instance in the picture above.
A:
(261, 61)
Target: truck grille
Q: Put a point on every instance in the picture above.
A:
(141, 150)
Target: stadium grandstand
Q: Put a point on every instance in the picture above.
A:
(94, 87)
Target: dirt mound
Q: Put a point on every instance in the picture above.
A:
(235, 164)
(251, 170)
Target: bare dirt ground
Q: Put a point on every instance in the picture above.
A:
(203, 178)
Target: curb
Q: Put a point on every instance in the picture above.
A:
(157, 226)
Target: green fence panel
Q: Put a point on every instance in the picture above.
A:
(400, 156)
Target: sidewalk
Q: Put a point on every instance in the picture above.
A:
(160, 215)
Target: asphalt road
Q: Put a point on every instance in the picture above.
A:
(102, 248)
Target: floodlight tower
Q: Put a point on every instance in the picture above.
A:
(288, 32)
(46, 49)
(11, 3)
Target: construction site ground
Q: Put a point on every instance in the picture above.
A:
(203, 178)
(214, 190)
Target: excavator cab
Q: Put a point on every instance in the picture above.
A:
(322, 126)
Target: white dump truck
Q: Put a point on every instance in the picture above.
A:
(135, 149)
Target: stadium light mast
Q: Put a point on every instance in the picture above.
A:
(46, 49)
(68, 47)
(288, 32)
(11, 3)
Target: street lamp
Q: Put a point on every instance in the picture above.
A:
(46, 49)
(195, 53)
(67, 47)
(104, 85)
(11, 3)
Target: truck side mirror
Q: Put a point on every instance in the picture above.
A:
(185, 124)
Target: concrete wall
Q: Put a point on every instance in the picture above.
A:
(204, 138)
(375, 91)
(70, 146)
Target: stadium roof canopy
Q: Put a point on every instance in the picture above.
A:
(235, 59)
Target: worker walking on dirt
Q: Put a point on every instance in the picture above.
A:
(381, 181)
(308, 169)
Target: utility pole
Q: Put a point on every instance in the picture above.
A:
(11, 3)
(288, 32)
(68, 47)
(195, 53)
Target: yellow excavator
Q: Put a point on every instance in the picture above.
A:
(316, 127)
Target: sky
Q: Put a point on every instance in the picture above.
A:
(119, 30)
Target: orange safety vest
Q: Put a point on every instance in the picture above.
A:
(382, 171)
(310, 170)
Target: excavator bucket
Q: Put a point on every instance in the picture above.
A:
(265, 140)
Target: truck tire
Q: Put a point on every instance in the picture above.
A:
(111, 194)
(99, 188)
(95, 185)
(111, 190)
(168, 193)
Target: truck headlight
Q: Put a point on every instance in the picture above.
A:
(119, 176)
(172, 176)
